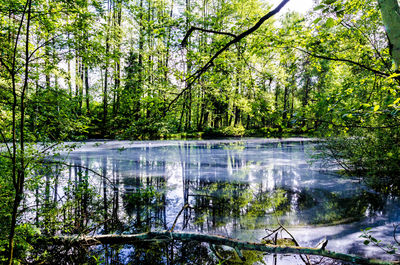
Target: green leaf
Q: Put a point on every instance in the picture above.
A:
(316, 21)
(330, 22)
(318, 7)
(366, 242)
(376, 108)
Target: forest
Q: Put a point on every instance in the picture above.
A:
(85, 71)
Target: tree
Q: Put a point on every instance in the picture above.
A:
(391, 18)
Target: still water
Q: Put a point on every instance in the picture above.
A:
(235, 188)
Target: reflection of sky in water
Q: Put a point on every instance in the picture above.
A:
(264, 174)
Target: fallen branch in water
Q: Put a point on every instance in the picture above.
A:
(212, 239)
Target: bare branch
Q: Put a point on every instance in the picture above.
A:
(5, 65)
(17, 38)
(42, 45)
(343, 60)
(5, 142)
(195, 76)
(184, 41)
(176, 218)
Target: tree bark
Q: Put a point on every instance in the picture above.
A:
(391, 19)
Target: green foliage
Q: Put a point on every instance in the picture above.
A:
(229, 131)
(372, 155)
(370, 239)
(87, 69)
(142, 129)
(6, 195)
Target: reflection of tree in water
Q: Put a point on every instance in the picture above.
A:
(216, 204)
(138, 201)
(145, 197)
(323, 207)
(145, 206)
(175, 252)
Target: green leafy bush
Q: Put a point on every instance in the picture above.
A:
(373, 156)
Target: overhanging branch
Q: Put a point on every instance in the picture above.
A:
(343, 60)
(184, 41)
(195, 76)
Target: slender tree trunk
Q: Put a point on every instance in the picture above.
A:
(140, 80)
(188, 97)
(69, 68)
(19, 173)
(105, 91)
(87, 96)
(118, 62)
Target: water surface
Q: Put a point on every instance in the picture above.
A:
(235, 188)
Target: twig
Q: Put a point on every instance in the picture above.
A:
(176, 218)
(42, 45)
(273, 232)
(5, 142)
(394, 233)
(193, 28)
(294, 240)
(298, 245)
(40, 152)
(343, 60)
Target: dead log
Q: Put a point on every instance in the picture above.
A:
(211, 239)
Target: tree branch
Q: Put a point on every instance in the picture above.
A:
(6, 143)
(343, 60)
(176, 218)
(5, 65)
(195, 76)
(42, 45)
(184, 41)
(211, 239)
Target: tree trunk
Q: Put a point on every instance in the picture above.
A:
(391, 19)
(19, 172)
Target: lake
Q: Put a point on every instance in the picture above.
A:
(235, 188)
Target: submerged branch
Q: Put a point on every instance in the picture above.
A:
(213, 239)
